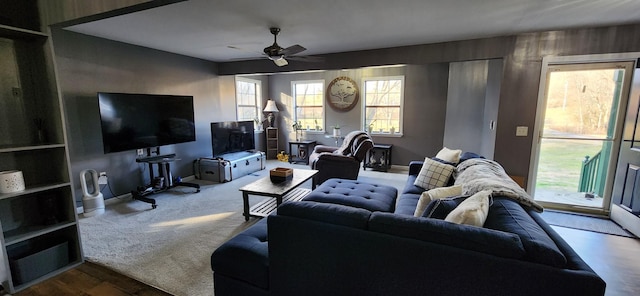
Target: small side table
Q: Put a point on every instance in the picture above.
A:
(378, 158)
(303, 148)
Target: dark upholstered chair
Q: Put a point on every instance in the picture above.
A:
(340, 162)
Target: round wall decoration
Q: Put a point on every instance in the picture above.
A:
(342, 93)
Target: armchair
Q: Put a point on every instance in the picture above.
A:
(340, 162)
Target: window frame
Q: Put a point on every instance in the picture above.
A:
(258, 100)
(295, 104)
(363, 97)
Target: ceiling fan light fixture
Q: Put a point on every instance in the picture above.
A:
(279, 61)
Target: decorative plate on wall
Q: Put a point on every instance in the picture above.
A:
(342, 94)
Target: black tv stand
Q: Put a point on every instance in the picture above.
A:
(163, 182)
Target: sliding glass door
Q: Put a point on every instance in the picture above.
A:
(579, 134)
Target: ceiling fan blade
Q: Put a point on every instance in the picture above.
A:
(291, 50)
(310, 59)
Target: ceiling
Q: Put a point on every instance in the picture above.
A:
(224, 31)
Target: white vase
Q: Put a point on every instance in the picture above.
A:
(11, 181)
(336, 132)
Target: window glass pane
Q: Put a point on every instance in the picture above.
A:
(247, 113)
(247, 99)
(309, 94)
(309, 104)
(383, 103)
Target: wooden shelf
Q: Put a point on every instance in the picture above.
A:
(272, 142)
(34, 189)
(266, 207)
(34, 142)
(13, 32)
(22, 234)
(31, 147)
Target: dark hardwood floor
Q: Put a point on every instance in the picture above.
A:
(615, 258)
(91, 279)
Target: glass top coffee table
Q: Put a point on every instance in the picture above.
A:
(280, 192)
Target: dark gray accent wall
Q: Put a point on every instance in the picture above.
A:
(425, 99)
(522, 55)
(87, 65)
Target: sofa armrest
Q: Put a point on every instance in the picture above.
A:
(415, 167)
(324, 148)
(330, 157)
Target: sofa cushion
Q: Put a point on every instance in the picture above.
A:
(433, 194)
(440, 208)
(410, 186)
(472, 211)
(245, 257)
(406, 204)
(326, 212)
(507, 215)
(433, 174)
(478, 239)
(450, 155)
(372, 197)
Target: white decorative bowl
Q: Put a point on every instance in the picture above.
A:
(11, 181)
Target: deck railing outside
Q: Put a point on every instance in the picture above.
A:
(590, 176)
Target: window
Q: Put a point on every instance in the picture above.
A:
(308, 97)
(248, 98)
(382, 100)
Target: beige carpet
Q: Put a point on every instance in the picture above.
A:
(170, 247)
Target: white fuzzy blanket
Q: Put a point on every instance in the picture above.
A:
(480, 174)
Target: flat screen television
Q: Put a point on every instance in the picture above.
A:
(136, 121)
(232, 136)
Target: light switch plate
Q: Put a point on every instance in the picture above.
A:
(522, 131)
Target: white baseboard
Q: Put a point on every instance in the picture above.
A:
(115, 199)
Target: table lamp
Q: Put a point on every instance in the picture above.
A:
(271, 108)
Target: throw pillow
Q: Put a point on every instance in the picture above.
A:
(449, 155)
(433, 194)
(469, 155)
(472, 211)
(440, 208)
(433, 174)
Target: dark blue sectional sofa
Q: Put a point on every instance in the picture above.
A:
(351, 238)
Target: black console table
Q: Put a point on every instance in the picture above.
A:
(378, 158)
(304, 149)
(163, 181)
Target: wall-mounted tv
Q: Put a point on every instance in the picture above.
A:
(232, 136)
(135, 121)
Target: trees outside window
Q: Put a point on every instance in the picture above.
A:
(308, 97)
(248, 100)
(383, 98)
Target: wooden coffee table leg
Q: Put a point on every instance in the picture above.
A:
(245, 200)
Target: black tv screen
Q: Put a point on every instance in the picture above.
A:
(231, 136)
(135, 121)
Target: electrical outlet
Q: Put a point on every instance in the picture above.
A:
(140, 152)
(102, 178)
(16, 91)
(522, 131)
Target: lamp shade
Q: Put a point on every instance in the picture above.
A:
(271, 106)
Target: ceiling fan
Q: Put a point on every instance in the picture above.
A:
(277, 54)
